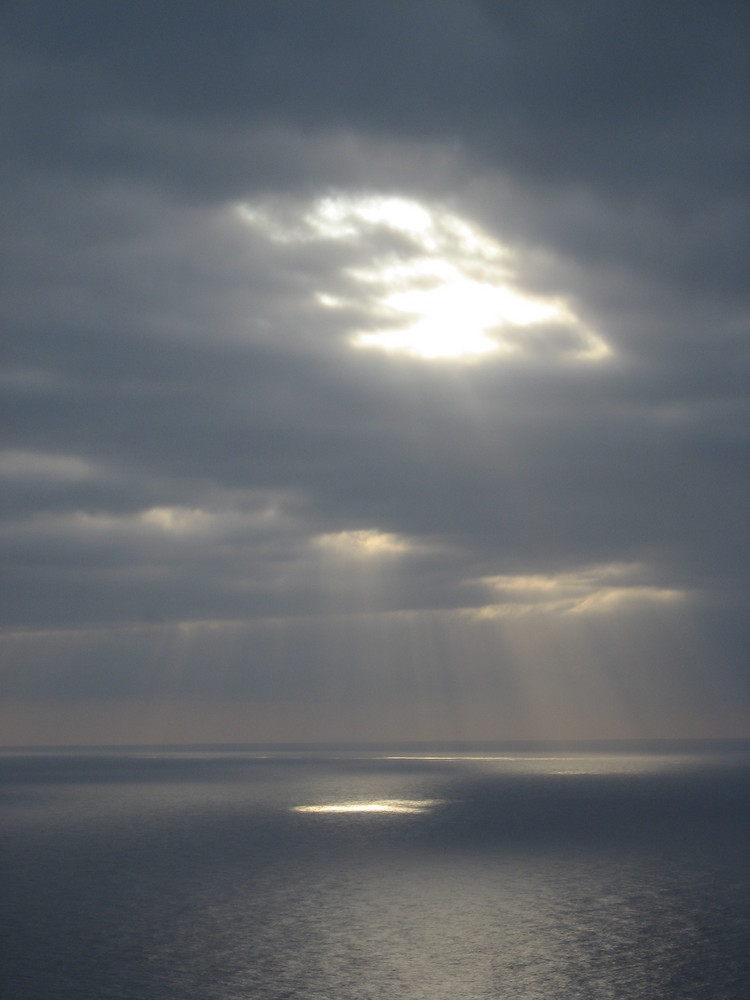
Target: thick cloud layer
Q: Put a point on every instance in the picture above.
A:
(374, 370)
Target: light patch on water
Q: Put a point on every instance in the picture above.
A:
(565, 764)
(404, 806)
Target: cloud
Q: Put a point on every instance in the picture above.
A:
(35, 466)
(589, 590)
(365, 542)
(442, 288)
(440, 363)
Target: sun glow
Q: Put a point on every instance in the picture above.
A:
(424, 283)
(343, 217)
(455, 317)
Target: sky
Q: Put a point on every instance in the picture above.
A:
(373, 371)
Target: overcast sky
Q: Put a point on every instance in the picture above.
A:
(374, 370)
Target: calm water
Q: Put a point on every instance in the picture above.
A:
(396, 873)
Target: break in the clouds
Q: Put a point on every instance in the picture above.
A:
(438, 289)
(374, 371)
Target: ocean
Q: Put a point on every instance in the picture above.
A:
(517, 871)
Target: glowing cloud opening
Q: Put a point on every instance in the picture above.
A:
(362, 543)
(445, 294)
(596, 589)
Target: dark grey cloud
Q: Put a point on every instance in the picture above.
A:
(190, 436)
(642, 104)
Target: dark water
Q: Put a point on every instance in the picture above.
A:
(405, 874)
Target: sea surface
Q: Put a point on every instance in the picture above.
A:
(523, 871)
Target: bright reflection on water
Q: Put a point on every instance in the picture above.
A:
(426, 876)
(409, 806)
(570, 763)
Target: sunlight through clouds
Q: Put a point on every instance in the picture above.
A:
(426, 284)
(343, 217)
(176, 522)
(367, 376)
(363, 543)
(591, 590)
